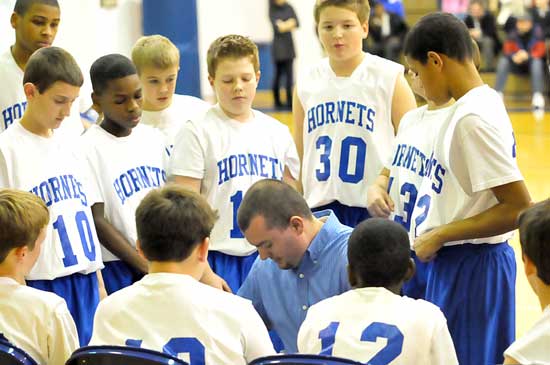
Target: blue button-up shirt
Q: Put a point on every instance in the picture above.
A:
(282, 297)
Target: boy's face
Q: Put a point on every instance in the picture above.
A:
(53, 105)
(341, 33)
(431, 78)
(235, 85)
(121, 101)
(37, 28)
(159, 86)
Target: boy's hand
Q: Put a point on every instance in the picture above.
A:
(379, 203)
(212, 279)
(426, 245)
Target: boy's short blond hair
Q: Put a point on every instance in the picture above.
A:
(231, 46)
(155, 51)
(360, 7)
(22, 217)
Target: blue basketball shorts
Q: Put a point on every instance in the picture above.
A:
(349, 216)
(474, 285)
(233, 269)
(118, 275)
(82, 296)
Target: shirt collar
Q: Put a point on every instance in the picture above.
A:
(323, 237)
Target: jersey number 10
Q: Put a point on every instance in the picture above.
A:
(86, 238)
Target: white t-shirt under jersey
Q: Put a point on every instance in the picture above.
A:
(176, 314)
(474, 151)
(13, 101)
(533, 347)
(410, 161)
(37, 322)
(229, 156)
(365, 323)
(52, 169)
(348, 132)
(170, 120)
(125, 169)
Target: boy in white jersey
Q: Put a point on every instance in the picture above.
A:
(169, 310)
(33, 158)
(355, 324)
(471, 196)
(127, 161)
(534, 231)
(33, 320)
(35, 23)
(222, 154)
(346, 111)
(157, 61)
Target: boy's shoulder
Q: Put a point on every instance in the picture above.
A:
(27, 296)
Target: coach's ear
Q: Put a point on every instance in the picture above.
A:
(140, 252)
(411, 269)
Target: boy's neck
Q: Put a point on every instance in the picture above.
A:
(31, 125)
(182, 268)
(544, 295)
(20, 55)
(463, 77)
(8, 273)
(346, 68)
(112, 128)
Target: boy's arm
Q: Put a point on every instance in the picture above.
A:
(114, 241)
(403, 100)
(508, 360)
(188, 182)
(512, 198)
(298, 115)
(101, 285)
(62, 336)
(379, 203)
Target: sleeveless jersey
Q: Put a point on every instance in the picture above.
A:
(348, 133)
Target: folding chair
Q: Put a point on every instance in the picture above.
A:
(121, 355)
(11, 355)
(302, 359)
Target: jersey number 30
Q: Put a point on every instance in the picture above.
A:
(324, 143)
(393, 347)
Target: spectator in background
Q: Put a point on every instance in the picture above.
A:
(284, 21)
(391, 6)
(386, 33)
(523, 51)
(455, 7)
(541, 16)
(483, 29)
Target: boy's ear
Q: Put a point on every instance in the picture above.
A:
(139, 250)
(202, 250)
(30, 90)
(211, 80)
(258, 74)
(411, 269)
(528, 266)
(365, 27)
(95, 103)
(14, 19)
(20, 253)
(351, 277)
(435, 59)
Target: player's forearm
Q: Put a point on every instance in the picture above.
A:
(118, 245)
(383, 180)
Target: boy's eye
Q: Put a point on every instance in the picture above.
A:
(119, 101)
(227, 81)
(327, 27)
(38, 22)
(171, 79)
(54, 25)
(153, 81)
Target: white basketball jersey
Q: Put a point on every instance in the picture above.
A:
(125, 170)
(348, 133)
(13, 101)
(474, 151)
(176, 314)
(170, 120)
(229, 156)
(375, 326)
(532, 348)
(411, 160)
(52, 169)
(37, 322)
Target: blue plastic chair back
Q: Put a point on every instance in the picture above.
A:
(11, 355)
(121, 355)
(302, 359)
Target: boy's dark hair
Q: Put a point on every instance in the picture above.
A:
(22, 6)
(274, 200)
(439, 32)
(48, 65)
(232, 46)
(110, 67)
(22, 217)
(379, 252)
(171, 222)
(534, 235)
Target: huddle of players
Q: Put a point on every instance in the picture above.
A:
(434, 185)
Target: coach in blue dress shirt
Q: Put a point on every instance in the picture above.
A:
(307, 256)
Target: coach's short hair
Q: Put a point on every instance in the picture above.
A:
(22, 216)
(379, 252)
(171, 222)
(360, 7)
(155, 51)
(439, 32)
(22, 6)
(534, 235)
(275, 201)
(48, 65)
(231, 46)
(110, 67)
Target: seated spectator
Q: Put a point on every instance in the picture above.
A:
(455, 7)
(523, 52)
(386, 33)
(541, 16)
(392, 6)
(483, 29)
